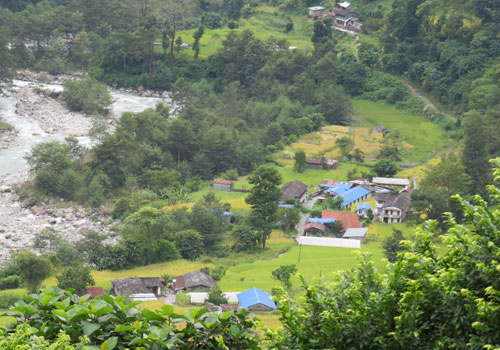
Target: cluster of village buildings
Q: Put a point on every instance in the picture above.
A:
(342, 15)
(194, 284)
(392, 198)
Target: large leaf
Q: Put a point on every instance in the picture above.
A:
(151, 315)
(109, 344)
(89, 328)
(60, 313)
(123, 328)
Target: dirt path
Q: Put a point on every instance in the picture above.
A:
(304, 217)
(428, 102)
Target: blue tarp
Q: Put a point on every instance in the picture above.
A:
(227, 213)
(322, 221)
(353, 195)
(255, 296)
(363, 206)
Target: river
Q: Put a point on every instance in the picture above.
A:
(30, 132)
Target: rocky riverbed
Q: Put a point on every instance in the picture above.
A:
(20, 220)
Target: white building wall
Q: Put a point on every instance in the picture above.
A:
(329, 242)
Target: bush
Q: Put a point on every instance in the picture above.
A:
(189, 243)
(76, 277)
(87, 95)
(8, 299)
(10, 282)
(216, 297)
(232, 25)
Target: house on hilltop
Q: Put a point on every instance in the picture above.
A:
(294, 190)
(193, 280)
(392, 207)
(144, 288)
(346, 18)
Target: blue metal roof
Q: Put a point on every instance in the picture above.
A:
(321, 220)
(363, 206)
(353, 195)
(255, 296)
(227, 213)
(339, 189)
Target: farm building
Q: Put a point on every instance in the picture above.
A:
(325, 163)
(193, 280)
(392, 207)
(355, 233)
(146, 288)
(350, 194)
(313, 228)
(345, 17)
(256, 300)
(224, 185)
(294, 190)
(362, 209)
(349, 220)
(390, 181)
(316, 11)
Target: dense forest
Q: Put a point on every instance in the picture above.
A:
(232, 110)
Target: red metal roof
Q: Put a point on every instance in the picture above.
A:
(94, 291)
(349, 220)
(315, 225)
(328, 182)
(313, 161)
(223, 182)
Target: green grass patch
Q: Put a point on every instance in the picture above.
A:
(266, 22)
(314, 262)
(424, 136)
(5, 127)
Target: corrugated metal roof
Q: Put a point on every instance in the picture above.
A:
(322, 221)
(255, 296)
(362, 206)
(353, 195)
(391, 181)
(349, 220)
(315, 225)
(223, 182)
(355, 232)
(339, 189)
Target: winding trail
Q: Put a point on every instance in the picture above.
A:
(428, 102)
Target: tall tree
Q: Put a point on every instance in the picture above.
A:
(34, 269)
(474, 155)
(197, 36)
(300, 161)
(263, 199)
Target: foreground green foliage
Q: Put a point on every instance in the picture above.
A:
(25, 338)
(423, 300)
(111, 323)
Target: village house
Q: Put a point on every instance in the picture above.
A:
(314, 229)
(362, 209)
(356, 233)
(350, 194)
(348, 220)
(294, 190)
(316, 12)
(145, 288)
(193, 281)
(256, 300)
(324, 163)
(345, 18)
(224, 185)
(392, 207)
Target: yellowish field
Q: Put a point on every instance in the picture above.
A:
(322, 143)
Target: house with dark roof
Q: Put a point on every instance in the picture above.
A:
(294, 190)
(256, 300)
(143, 288)
(345, 17)
(324, 163)
(193, 281)
(349, 220)
(223, 185)
(392, 207)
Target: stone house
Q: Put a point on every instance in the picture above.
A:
(392, 207)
